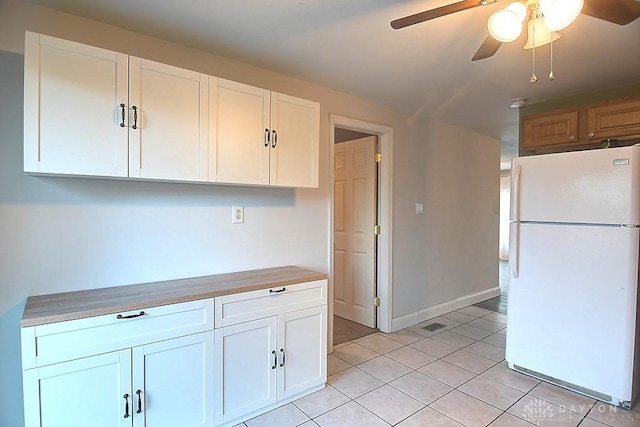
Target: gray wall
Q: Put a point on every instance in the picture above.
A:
(65, 234)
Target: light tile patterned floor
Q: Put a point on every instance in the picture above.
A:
(455, 376)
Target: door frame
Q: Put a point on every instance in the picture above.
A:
(385, 217)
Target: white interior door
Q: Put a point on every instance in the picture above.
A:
(354, 219)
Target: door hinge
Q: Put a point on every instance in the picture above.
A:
(376, 229)
(376, 302)
(378, 157)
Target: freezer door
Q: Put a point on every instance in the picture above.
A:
(594, 186)
(572, 309)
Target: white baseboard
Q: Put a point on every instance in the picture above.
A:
(440, 309)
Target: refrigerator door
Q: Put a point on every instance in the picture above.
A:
(594, 187)
(572, 308)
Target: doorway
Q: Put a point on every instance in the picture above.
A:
(355, 190)
(343, 129)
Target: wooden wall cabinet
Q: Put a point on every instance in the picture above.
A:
(550, 130)
(93, 112)
(615, 120)
(582, 126)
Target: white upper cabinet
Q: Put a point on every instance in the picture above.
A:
(167, 122)
(239, 133)
(94, 112)
(295, 133)
(261, 137)
(71, 114)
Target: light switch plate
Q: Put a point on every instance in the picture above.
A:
(419, 208)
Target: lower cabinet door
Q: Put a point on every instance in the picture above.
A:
(302, 349)
(173, 382)
(92, 391)
(245, 364)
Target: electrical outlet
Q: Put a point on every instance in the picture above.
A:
(238, 215)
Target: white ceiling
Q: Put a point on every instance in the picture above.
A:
(425, 70)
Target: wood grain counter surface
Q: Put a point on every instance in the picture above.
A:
(60, 307)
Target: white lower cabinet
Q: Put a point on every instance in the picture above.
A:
(87, 391)
(169, 383)
(170, 366)
(263, 363)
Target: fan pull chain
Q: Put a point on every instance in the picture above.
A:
(552, 77)
(534, 78)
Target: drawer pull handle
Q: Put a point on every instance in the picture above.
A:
(135, 117)
(139, 402)
(275, 359)
(283, 357)
(122, 123)
(131, 316)
(271, 291)
(126, 405)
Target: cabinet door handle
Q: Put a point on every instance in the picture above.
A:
(135, 117)
(275, 139)
(271, 291)
(267, 137)
(572, 137)
(131, 316)
(139, 401)
(283, 357)
(122, 108)
(275, 359)
(126, 405)
(591, 134)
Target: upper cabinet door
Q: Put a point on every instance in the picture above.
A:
(168, 109)
(295, 125)
(240, 134)
(72, 113)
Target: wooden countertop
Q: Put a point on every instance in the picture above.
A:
(52, 308)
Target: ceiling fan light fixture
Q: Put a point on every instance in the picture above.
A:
(504, 25)
(542, 34)
(559, 14)
(519, 9)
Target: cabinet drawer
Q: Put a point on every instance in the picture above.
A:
(55, 342)
(246, 306)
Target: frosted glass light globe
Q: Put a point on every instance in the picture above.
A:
(558, 14)
(504, 25)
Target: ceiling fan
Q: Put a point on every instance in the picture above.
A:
(620, 12)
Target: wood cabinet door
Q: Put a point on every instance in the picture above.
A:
(549, 130)
(295, 133)
(92, 391)
(620, 119)
(168, 113)
(245, 367)
(173, 382)
(72, 113)
(240, 134)
(302, 350)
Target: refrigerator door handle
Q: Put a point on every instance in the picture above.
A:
(515, 262)
(515, 208)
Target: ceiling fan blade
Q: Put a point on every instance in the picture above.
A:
(417, 18)
(619, 12)
(488, 48)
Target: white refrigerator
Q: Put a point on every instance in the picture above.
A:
(573, 271)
